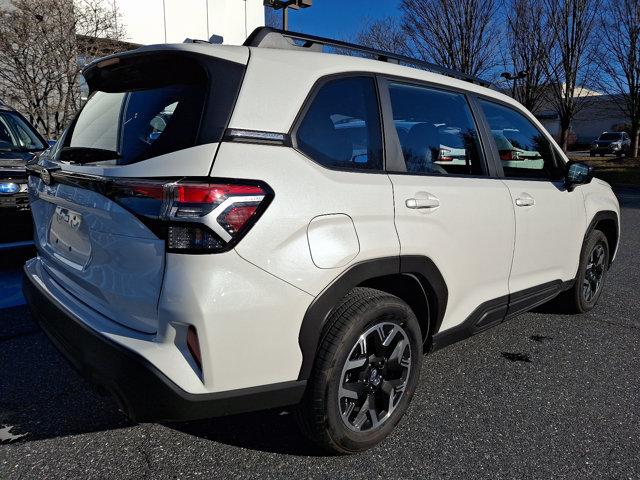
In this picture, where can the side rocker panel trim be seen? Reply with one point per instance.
(495, 311)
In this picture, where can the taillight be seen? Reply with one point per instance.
(194, 217)
(444, 155)
(508, 155)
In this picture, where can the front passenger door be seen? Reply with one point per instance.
(447, 207)
(549, 218)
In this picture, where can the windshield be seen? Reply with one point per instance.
(609, 136)
(16, 135)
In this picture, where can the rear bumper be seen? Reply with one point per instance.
(143, 392)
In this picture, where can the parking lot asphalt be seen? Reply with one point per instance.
(542, 396)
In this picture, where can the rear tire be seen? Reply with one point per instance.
(359, 389)
(592, 273)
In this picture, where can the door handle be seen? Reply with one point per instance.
(525, 200)
(429, 202)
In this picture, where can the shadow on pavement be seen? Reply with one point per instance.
(42, 396)
(269, 431)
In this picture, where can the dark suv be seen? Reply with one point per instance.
(19, 142)
(617, 143)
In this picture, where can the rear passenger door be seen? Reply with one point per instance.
(549, 218)
(447, 205)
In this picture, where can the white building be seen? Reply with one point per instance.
(171, 21)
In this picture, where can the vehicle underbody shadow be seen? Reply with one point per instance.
(41, 395)
(273, 431)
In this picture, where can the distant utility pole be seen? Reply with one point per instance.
(284, 5)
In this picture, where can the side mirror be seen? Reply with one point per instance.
(577, 173)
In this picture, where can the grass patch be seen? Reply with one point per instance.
(616, 171)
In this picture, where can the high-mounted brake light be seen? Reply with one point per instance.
(199, 217)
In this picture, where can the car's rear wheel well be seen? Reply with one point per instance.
(414, 291)
(610, 229)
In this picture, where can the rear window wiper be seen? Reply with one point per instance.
(83, 155)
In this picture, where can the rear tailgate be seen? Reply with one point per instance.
(157, 113)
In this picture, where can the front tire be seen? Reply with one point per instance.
(592, 273)
(365, 372)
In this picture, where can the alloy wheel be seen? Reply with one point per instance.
(594, 273)
(374, 377)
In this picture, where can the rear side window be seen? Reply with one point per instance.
(151, 107)
(436, 130)
(341, 127)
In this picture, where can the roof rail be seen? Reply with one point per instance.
(268, 37)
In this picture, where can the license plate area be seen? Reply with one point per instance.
(69, 238)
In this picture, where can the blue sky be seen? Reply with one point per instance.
(339, 18)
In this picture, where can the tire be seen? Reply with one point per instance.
(320, 414)
(575, 299)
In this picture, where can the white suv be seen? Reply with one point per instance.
(224, 229)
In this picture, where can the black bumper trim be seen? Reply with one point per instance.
(143, 392)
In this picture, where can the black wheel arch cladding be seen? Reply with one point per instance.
(372, 273)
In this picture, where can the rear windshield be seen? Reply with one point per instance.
(150, 108)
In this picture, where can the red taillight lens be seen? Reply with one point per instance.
(236, 217)
(444, 155)
(200, 217)
(506, 155)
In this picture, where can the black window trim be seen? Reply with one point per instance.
(29, 126)
(393, 141)
(306, 104)
(494, 150)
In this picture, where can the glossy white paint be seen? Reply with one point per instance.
(469, 236)
(550, 226)
(304, 190)
(247, 319)
(333, 241)
(99, 252)
(598, 197)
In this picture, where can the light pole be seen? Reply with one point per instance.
(164, 16)
(514, 77)
(284, 5)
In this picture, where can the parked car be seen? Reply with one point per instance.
(616, 143)
(513, 156)
(277, 242)
(19, 142)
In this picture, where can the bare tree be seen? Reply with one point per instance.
(459, 34)
(619, 61)
(528, 49)
(384, 34)
(43, 46)
(571, 66)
